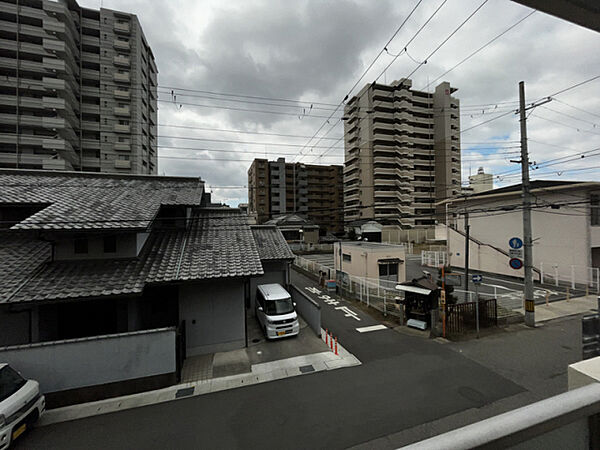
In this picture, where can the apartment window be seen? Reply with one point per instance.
(105, 36)
(105, 138)
(595, 216)
(110, 244)
(124, 157)
(80, 246)
(346, 257)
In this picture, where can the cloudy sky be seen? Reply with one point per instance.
(244, 74)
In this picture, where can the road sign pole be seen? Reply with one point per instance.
(528, 287)
(477, 308)
(467, 245)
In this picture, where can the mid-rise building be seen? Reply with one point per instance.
(277, 188)
(481, 181)
(78, 89)
(402, 153)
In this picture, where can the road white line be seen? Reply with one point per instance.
(371, 328)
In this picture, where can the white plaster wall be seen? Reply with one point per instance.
(560, 236)
(364, 260)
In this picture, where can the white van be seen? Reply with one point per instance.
(21, 404)
(275, 311)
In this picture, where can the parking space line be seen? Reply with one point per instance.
(371, 328)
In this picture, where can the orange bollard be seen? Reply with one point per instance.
(331, 342)
(326, 336)
(336, 347)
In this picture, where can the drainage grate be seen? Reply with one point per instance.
(306, 369)
(184, 392)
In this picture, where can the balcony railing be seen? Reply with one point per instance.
(121, 61)
(122, 28)
(119, 128)
(121, 93)
(121, 164)
(122, 111)
(121, 77)
(121, 45)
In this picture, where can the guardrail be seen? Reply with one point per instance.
(564, 416)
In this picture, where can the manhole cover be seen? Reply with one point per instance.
(184, 392)
(255, 340)
(306, 369)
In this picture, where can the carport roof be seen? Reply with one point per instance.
(271, 243)
(218, 244)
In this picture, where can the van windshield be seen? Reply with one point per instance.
(276, 307)
(10, 382)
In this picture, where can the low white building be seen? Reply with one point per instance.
(371, 260)
(565, 225)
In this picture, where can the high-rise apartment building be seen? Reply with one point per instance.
(276, 188)
(402, 153)
(481, 181)
(77, 89)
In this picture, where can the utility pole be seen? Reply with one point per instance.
(467, 242)
(527, 234)
(527, 239)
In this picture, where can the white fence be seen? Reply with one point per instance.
(577, 277)
(433, 258)
(379, 294)
(383, 295)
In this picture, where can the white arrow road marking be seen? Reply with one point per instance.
(371, 328)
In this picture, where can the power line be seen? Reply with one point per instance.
(439, 46)
(576, 107)
(365, 72)
(480, 48)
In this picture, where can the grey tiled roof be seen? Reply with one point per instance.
(89, 201)
(271, 243)
(20, 259)
(218, 244)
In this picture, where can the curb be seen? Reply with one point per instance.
(260, 373)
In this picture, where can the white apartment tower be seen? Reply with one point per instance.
(402, 154)
(78, 89)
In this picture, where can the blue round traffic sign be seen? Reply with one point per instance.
(515, 263)
(515, 243)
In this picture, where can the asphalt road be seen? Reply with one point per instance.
(404, 381)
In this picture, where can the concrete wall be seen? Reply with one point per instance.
(275, 272)
(215, 315)
(307, 308)
(365, 259)
(77, 363)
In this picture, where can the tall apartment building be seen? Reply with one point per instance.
(402, 153)
(481, 181)
(276, 188)
(78, 89)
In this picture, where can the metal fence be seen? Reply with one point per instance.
(379, 294)
(462, 317)
(582, 278)
(433, 258)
